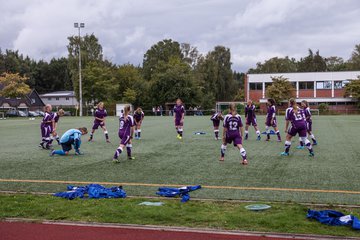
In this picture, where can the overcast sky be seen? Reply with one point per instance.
(254, 30)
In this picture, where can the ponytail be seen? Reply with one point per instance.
(126, 111)
(232, 109)
(294, 105)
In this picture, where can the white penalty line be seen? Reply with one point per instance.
(177, 185)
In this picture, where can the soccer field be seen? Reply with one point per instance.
(332, 176)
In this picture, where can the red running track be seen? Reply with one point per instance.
(39, 231)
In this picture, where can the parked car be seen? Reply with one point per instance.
(15, 113)
(67, 113)
(41, 113)
(33, 114)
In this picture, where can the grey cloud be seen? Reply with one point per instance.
(254, 30)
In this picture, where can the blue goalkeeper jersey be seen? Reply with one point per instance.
(71, 136)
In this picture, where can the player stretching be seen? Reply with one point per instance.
(126, 131)
(45, 127)
(70, 138)
(306, 108)
(55, 119)
(271, 120)
(233, 131)
(179, 111)
(138, 118)
(296, 117)
(100, 116)
(251, 119)
(216, 118)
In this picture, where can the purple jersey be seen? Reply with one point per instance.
(307, 114)
(215, 118)
(232, 124)
(271, 114)
(139, 116)
(250, 112)
(125, 125)
(99, 113)
(179, 111)
(297, 119)
(46, 121)
(55, 117)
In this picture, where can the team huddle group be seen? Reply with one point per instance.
(298, 121)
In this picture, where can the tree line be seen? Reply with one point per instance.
(169, 70)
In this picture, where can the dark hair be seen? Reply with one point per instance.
(83, 129)
(305, 102)
(271, 101)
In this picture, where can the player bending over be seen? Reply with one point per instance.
(216, 118)
(296, 117)
(55, 119)
(271, 120)
(100, 116)
(126, 131)
(179, 111)
(70, 138)
(306, 109)
(138, 118)
(46, 128)
(251, 119)
(233, 131)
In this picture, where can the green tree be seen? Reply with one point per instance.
(91, 51)
(98, 83)
(172, 80)
(354, 61)
(280, 89)
(13, 85)
(334, 64)
(160, 53)
(352, 89)
(190, 54)
(312, 63)
(276, 65)
(129, 96)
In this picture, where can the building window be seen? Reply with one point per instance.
(340, 84)
(57, 99)
(67, 98)
(306, 85)
(49, 98)
(255, 86)
(323, 85)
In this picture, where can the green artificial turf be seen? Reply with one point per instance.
(282, 218)
(162, 159)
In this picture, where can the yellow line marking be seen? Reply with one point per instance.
(177, 185)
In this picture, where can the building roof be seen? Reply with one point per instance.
(306, 76)
(59, 94)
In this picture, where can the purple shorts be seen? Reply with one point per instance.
(309, 126)
(251, 121)
(124, 138)
(216, 123)
(268, 122)
(45, 131)
(178, 122)
(233, 138)
(97, 124)
(302, 131)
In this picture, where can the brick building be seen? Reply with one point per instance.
(315, 87)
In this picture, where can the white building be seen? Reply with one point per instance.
(60, 99)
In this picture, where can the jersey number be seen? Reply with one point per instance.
(233, 125)
(121, 124)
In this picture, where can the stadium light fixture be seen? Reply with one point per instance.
(79, 26)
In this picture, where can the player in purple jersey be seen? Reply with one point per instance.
(100, 116)
(296, 117)
(216, 118)
(138, 118)
(179, 113)
(126, 131)
(306, 109)
(55, 119)
(45, 127)
(233, 131)
(251, 119)
(271, 120)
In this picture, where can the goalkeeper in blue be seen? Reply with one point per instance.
(70, 138)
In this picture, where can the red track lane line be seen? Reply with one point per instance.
(38, 231)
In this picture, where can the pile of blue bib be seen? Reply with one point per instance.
(334, 218)
(182, 192)
(91, 191)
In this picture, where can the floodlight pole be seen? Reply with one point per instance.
(79, 26)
